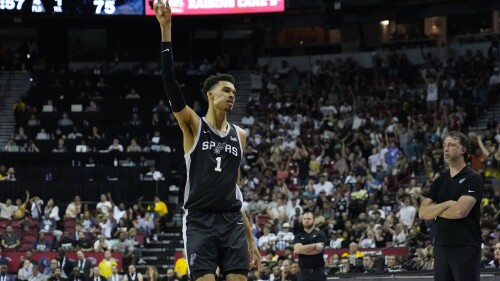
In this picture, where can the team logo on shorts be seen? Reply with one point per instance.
(192, 259)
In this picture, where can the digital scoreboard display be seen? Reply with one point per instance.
(138, 7)
(73, 7)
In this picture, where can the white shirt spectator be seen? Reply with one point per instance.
(118, 214)
(407, 215)
(248, 120)
(327, 186)
(7, 211)
(104, 206)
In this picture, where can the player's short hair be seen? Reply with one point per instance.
(311, 213)
(212, 80)
(463, 140)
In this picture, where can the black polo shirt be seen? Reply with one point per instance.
(311, 261)
(458, 232)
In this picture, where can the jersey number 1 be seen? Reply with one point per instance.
(218, 169)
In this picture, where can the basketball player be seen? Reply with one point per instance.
(216, 231)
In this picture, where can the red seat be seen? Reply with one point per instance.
(15, 223)
(140, 238)
(4, 222)
(262, 219)
(34, 223)
(29, 237)
(49, 237)
(26, 246)
(69, 223)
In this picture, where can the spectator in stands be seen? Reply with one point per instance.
(7, 209)
(101, 244)
(132, 274)
(495, 262)
(368, 239)
(393, 264)
(57, 276)
(286, 274)
(3, 274)
(161, 107)
(126, 247)
(65, 121)
(42, 245)
(83, 243)
(105, 266)
(33, 121)
(20, 135)
(10, 240)
(11, 146)
(43, 135)
(75, 134)
(146, 225)
(399, 233)
(369, 265)
(66, 243)
(50, 270)
(407, 213)
(181, 266)
(84, 266)
(151, 274)
(4, 260)
(115, 146)
(92, 107)
(96, 275)
(135, 121)
(114, 274)
(353, 253)
(74, 208)
(49, 225)
(61, 147)
(134, 147)
(76, 275)
(132, 95)
(285, 237)
(52, 209)
(28, 256)
(104, 205)
(36, 275)
(171, 275)
(345, 266)
(95, 134)
(29, 146)
(26, 271)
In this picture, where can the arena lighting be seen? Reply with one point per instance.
(385, 22)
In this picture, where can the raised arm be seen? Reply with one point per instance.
(187, 118)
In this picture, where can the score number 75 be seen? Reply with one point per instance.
(108, 5)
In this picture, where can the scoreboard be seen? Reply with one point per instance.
(137, 7)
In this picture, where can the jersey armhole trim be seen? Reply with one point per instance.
(195, 143)
(239, 139)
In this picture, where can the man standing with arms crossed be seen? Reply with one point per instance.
(453, 200)
(310, 244)
(216, 231)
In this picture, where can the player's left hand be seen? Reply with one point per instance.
(255, 258)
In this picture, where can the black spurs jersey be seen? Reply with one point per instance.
(212, 170)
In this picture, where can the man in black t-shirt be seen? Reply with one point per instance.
(309, 245)
(453, 200)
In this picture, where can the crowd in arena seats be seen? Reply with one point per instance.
(358, 147)
(35, 225)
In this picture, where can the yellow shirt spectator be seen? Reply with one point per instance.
(181, 267)
(160, 207)
(105, 267)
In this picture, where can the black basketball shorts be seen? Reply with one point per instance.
(214, 240)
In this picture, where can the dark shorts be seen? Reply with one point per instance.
(214, 240)
(457, 263)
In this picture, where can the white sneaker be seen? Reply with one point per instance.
(148, 240)
(141, 261)
(155, 238)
